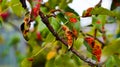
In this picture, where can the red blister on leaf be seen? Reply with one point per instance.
(87, 13)
(98, 22)
(4, 15)
(89, 40)
(30, 59)
(96, 47)
(73, 20)
(39, 36)
(97, 51)
(75, 33)
(36, 9)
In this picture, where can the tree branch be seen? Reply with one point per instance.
(46, 22)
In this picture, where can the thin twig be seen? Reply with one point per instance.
(99, 3)
(46, 22)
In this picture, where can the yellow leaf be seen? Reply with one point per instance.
(51, 54)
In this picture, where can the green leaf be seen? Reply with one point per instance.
(78, 42)
(88, 47)
(39, 55)
(4, 4)
(64, 61)
(50, 38)
(109, 62)
(117, 59)
(50, 63)
(1, 22)
(63, 4)
(42, 28)
(113, 61)
(54, 23)
(76, 59)
(61, 17)
(102, 18)
(26, 63)
(52, 3)
(16, 7)
(112, 47)
(14, 40)
(104, 11)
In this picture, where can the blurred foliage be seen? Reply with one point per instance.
(42, 48)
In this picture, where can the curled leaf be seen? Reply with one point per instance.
(87, 13)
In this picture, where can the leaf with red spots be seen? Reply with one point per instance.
(4, 15)
(38, 36)
(30, 59)
(73, 20)
(97, 51)
(90, 41)
(95, 47)
(36, 9)
(68, 35)
(87, 13)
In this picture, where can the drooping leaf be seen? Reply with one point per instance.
(112, 47)
(104, 11)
